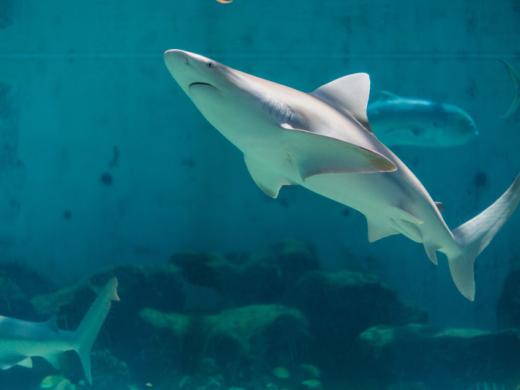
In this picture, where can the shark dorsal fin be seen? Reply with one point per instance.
(349, 93)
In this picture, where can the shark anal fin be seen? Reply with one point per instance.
(377, 231)
(267, 181)
(316, 154)
(349, 93)
(27, 362)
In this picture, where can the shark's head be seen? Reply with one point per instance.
(453, 122)
(226, 97)
(219, 92)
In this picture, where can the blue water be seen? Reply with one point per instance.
(105, 162)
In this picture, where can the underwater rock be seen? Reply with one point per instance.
(238, 337)
(17, 285)
(458, 357)
(341, 305)
(262, 277)
(508, 307)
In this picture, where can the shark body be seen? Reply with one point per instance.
(400, 120)
(20, 340)
(321, 141)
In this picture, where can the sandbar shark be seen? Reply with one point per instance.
(322, 141)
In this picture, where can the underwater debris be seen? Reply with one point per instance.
(115, 157)
(67, 214)
(188, 162)
(480, 180)
(281, 373)
(106, 179)
(57, 382)
(312, 384)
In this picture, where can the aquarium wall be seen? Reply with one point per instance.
(105, 161)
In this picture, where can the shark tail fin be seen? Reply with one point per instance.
(91, 324)
(475, 235)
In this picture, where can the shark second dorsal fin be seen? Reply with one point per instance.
(315, 154)
(349, 93)
(267, 181)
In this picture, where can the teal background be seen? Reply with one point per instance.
(80, 79)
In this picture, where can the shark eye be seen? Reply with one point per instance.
(210, 64)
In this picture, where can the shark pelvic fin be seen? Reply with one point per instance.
(431, 252)
(265, 179)
(27, 362)
(349, 93)
(316, 154)
(377, 232)
(515, 78)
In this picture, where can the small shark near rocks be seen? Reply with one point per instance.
(321, 141)
(20, 341)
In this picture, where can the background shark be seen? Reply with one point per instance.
(321, 141)
(398, 120)
(20, 341)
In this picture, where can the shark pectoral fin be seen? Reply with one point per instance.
(377, 231)
(25, 363)
(317, 154)
(265, 179)
(431, 252)
(349, 93)
(54, 360)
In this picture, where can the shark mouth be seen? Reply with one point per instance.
(200, 84)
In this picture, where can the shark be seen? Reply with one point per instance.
(322, 141)
(398, 120)
(21, 340)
